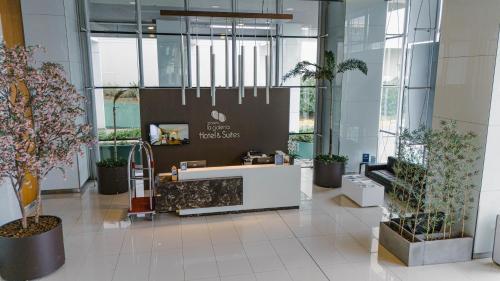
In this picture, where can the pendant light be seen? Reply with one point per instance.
(183, 83)
(212, 65)
(227, 57)
(268, 62)
(198, 90)
(255, 61)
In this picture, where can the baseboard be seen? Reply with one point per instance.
(82, 189)
(482, 255)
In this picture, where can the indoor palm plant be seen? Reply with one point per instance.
(41, 129)
(432, 196)
(328, 168)
(112, 173)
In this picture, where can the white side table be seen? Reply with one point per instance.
(362, 190)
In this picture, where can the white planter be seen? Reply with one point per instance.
(362, 190)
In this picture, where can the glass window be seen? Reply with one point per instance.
(115, 62)
(295, 50)
(392, 61)
(266, 6)
(302, 107)
(305, 18)
(262, 50)
(150, 9)
(127, 120)
(210, 5)
(112, 15)
(219, 47)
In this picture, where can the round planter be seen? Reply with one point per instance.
(112, 180)
(328, 175)
(32, 257)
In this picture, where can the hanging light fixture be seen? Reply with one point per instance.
(198, 90)
(241, 90)
(255, 61)
(183, 82)
(268, 63)
(212, 65)
(227, 57)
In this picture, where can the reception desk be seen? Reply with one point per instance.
(230, 189)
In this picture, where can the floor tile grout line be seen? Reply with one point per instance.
(303, 247)
(213, 249)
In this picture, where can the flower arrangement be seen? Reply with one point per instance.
(41, 121)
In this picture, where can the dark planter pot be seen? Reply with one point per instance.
(112, 180)
(32, 257)
(328, 175)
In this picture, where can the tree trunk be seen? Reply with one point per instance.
(330, 140)
(39, 202)
(114, 132)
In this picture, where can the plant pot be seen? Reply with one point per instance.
(328, 174)
(423, 252)
(112, 180)
(291, 161)
(32, 257)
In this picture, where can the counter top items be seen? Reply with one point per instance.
(183, 166)
(254, 157)
(362, 190)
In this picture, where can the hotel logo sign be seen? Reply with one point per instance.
(218, 129)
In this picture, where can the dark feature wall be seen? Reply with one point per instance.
(260, 126)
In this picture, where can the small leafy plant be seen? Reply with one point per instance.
(112, 163)
(330, 159)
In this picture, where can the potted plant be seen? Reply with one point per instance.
(329, 168)
(292, 152)
(432, 196)
(112, 173)
(40, 130)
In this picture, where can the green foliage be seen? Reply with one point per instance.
(326, 72)
(123, 134)
(302, 138)
(329, 159)
(435, 176)
(112, 163)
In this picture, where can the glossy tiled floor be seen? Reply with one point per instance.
(329, 238)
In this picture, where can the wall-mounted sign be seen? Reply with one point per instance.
(218, 129)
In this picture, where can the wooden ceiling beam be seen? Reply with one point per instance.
(226, 15)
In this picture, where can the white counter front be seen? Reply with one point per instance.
(264, 186)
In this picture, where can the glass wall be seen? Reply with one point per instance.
(124, 59)
(411, 50)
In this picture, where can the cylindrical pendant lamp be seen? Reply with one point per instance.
(198, 91)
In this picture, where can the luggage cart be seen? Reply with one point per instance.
(141, 204)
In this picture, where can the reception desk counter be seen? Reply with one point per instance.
(230, 189)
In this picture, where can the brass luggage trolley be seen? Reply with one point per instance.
(141, 204)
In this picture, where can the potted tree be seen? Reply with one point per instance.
(328, 168)
(112, 173)
(432, 196)
(40, 130)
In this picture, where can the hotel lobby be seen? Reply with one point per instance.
(238, 140)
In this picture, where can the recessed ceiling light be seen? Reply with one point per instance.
(151, 27)
(289, 9)
(215, 6)
(241, 24)
(305, 28)
(131, 3)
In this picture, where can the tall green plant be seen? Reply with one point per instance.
(434, 178)
(326, 72)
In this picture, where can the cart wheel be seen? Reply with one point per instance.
(149, 217)
(132, 218)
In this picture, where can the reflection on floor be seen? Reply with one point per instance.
(329, 238)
